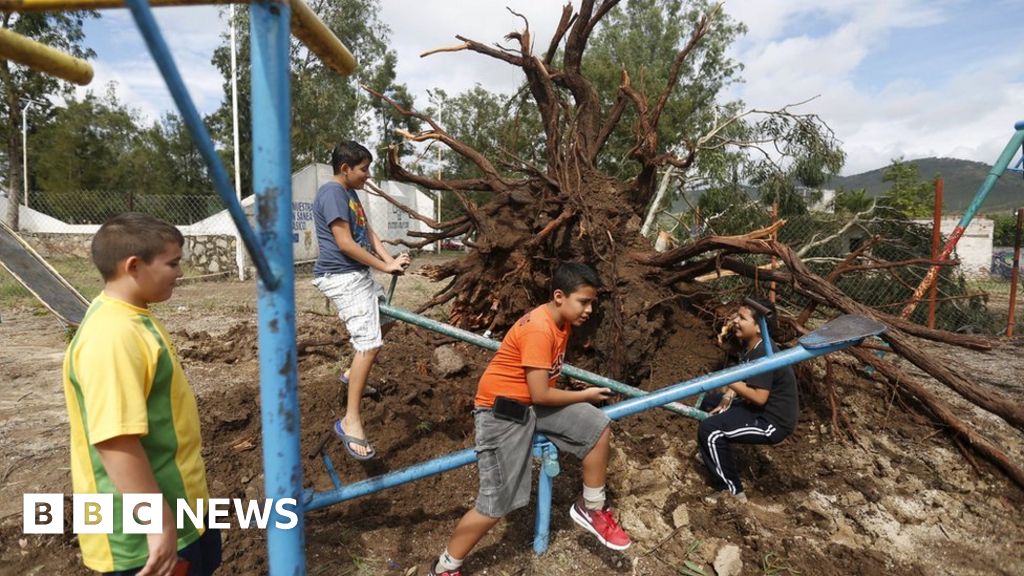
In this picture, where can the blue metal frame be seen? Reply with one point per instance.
(766, 336)
(567, 369)
(271, 251)
(1009, 151)
(542, 448)
(271, 148)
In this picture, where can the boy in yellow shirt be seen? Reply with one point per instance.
(134, 419)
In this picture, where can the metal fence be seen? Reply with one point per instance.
(895, 256)
(45, 211)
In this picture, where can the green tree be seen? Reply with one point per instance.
(851, 201)
(1005, 228)
(19, 85)
(175, 163)
(96, 158)
(325, 106)
(642, 38)
(85, 146)
(907, 194)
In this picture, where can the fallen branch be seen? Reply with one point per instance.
(943, 412)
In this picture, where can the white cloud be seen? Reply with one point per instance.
(418, 26)
(795, 49)
(191, 33)
(967, 114)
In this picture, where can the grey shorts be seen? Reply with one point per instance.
(357, 296)
(503, 450)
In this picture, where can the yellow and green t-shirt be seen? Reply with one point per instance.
(122, 377)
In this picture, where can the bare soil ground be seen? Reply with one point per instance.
(891, 494)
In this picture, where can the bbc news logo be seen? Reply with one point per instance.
(143, 513)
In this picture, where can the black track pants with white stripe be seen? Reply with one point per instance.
(737, 424)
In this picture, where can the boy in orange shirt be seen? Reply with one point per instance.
(517, 397)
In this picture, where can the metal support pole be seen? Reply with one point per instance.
(548, 454)
(570, 371)
(936, 245)
(271, 145)
(239, 250)
(1015, 276)
(766, 336)
(714, 380)
(24, 151)
(306, 25)
(390, 480)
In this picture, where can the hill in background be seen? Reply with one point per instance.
(961, 181)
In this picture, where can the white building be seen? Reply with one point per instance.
(974, 248)
(386, 219)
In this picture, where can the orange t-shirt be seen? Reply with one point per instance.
(535, 341)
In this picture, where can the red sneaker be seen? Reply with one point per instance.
(602, 524)
(434, 572)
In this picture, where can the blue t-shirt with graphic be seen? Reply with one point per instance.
(334, 202)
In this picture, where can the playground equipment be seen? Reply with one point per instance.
(17, 48)
(1001, 165)
(39, 278)
(270, 247)
(305, 24)
(840, 333)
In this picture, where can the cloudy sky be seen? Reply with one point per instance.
(909, 78)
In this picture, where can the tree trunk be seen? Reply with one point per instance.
(569, 210)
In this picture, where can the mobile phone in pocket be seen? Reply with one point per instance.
(508, 409)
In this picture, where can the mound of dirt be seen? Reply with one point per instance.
(818, 506)
(885, 494)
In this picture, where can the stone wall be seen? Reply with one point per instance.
(202, 254)
(59, 245)
(211, 254)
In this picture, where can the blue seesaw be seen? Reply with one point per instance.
(838, 334)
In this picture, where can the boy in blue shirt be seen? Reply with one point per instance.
(349, 248)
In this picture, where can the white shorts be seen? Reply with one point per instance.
(356, 296)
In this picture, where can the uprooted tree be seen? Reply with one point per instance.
(569, 207)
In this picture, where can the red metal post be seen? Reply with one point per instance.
(775, 236)
(1015, 276)
(936, 246)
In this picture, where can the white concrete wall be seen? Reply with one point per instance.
(305, 183)
(389, 222)
(975, 247)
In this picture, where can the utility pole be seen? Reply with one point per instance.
(239, 249)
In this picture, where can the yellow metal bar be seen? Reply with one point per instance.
(37, 56)
(59, 5)
(311, 30)
(306, 25)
